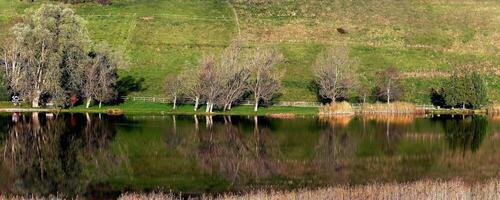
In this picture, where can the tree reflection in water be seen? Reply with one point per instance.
(222, 149)
(43, 154)
(465, 132)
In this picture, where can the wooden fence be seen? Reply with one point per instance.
(245, 102)
(249, 102)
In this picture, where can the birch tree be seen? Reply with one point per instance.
(99, 78)
(210, 78)
(233, 76)
(173, 87)
(48, 46)
(109, 63)
(335, 73)
(264, 79)
(192, 86)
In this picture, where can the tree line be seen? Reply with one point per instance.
(223, 81)
(337, 77)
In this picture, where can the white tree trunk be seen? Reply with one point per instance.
(389, 92)
(208, 107)
(88, 102)
(175, 102)
(197, 99)
(255, 109)
(35, 103)
(100, 104)
(230, 106)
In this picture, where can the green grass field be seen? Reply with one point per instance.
(424, 39)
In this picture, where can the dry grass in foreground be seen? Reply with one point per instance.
(417, 190)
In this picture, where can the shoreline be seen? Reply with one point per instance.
(272, 111)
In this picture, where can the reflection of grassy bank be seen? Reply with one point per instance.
(160, 108)
(416, 190)
(136, 107)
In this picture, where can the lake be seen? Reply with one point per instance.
(100, 156)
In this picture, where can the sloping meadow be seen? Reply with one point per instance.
(423, 39)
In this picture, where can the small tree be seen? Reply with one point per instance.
(107, 75)
(192, 86)
(335, 73)
(233, 76)
(363, 88)
(465, 89)
(264, 79)
(210, 77)
(388, 87)
(173, 86)
(99, 78)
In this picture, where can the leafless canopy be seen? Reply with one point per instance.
(388, 86)
(335, 73)
(265, 80)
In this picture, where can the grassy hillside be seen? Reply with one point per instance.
(422, 38)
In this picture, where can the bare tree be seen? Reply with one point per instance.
(363, 87)
(388, 86)
(108, 75)
(335, 73)
(233, 76)
(90, 78)
(99, 77)
(173, 87)
(210, 78)
(191, 84)
(264, 80)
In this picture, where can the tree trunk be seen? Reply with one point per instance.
(364, 98)
(388, 96)
(208, 107)
(196, 101)
(389, 92)
(211, 107)
(88, 102)
(175, 102)
(255, 109)
(35, 103)
(230, 106)
(463, 106)
(100, 104)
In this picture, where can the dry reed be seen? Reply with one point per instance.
(341, 108)
(426, 189)
(493, 109)
(454, 189)
(392, 108)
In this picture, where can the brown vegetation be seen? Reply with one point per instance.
(455, 189)
(392, 108)
(342, 108)
(493, 109)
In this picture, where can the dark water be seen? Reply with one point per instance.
(102, 156)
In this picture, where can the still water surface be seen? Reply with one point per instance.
(102, 156)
